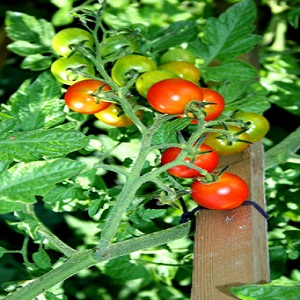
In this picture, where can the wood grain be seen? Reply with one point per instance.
(231, 246)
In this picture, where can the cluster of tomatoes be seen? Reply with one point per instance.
(169, 86)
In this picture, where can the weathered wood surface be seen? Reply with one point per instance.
(231, 246)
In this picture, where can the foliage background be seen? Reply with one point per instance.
(165, 272)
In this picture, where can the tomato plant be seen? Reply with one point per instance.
(113, 115)
(227, 192)
(128, 66)
(183, 69)
(257, 125)
(205, 158)
(230, 141)
(147, 79)
(178, 54)
(170, 96)
(63, 40)
(68, 70)
(87, 96)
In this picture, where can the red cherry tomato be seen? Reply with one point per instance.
(86, 96)
(170, 96)
(228, 192)
(207, 160)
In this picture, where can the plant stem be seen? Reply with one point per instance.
(88, 258)
(52, 238)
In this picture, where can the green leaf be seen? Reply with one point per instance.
(271, 291)
(23, 27)
(41, 143)
(61, 199)
(24, 48)
(24, 181)
(2, 251)
(245, 95)
(9, 206)
(124, 269)
(229, 35)
(37, 104)
(7, 124)
(293, 17)
(167, 133)
(285, 150)
(176, 33)
(278, 259)
(230, 70)
(41, 259)
(36, 62)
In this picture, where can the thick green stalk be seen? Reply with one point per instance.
(85, 259)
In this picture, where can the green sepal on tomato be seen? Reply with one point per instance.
(87, 96)
(127, 66)
(62, 40)
(68, 70)
(229, 141)
(213, 105)
(170, 96)
(206, 159)
(227, 192)
(257, 125)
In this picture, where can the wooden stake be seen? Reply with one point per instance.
(231, 246)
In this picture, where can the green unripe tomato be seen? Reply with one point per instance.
(116, 44)
(183, 69)
(147, 79)
(126, 66)
(63, 69)
(258, 125)
(178, 54)
(68, 36)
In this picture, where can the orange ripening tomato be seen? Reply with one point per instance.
(86, 96)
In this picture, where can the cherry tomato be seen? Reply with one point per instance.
(170, 96)
(228, 192)
(114, 116)
(126, 66)
(207, 160)
(86, 96)
(183, 69)
(147, 79)
(117, 44)
(68, 36)
(214, 110)
(178, 54)
(63, 69)
(258, 125)
(234, 141)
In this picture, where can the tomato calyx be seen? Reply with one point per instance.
(230, 137)
(196, 110)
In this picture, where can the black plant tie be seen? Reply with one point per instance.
(258, 208)
(188, 215)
